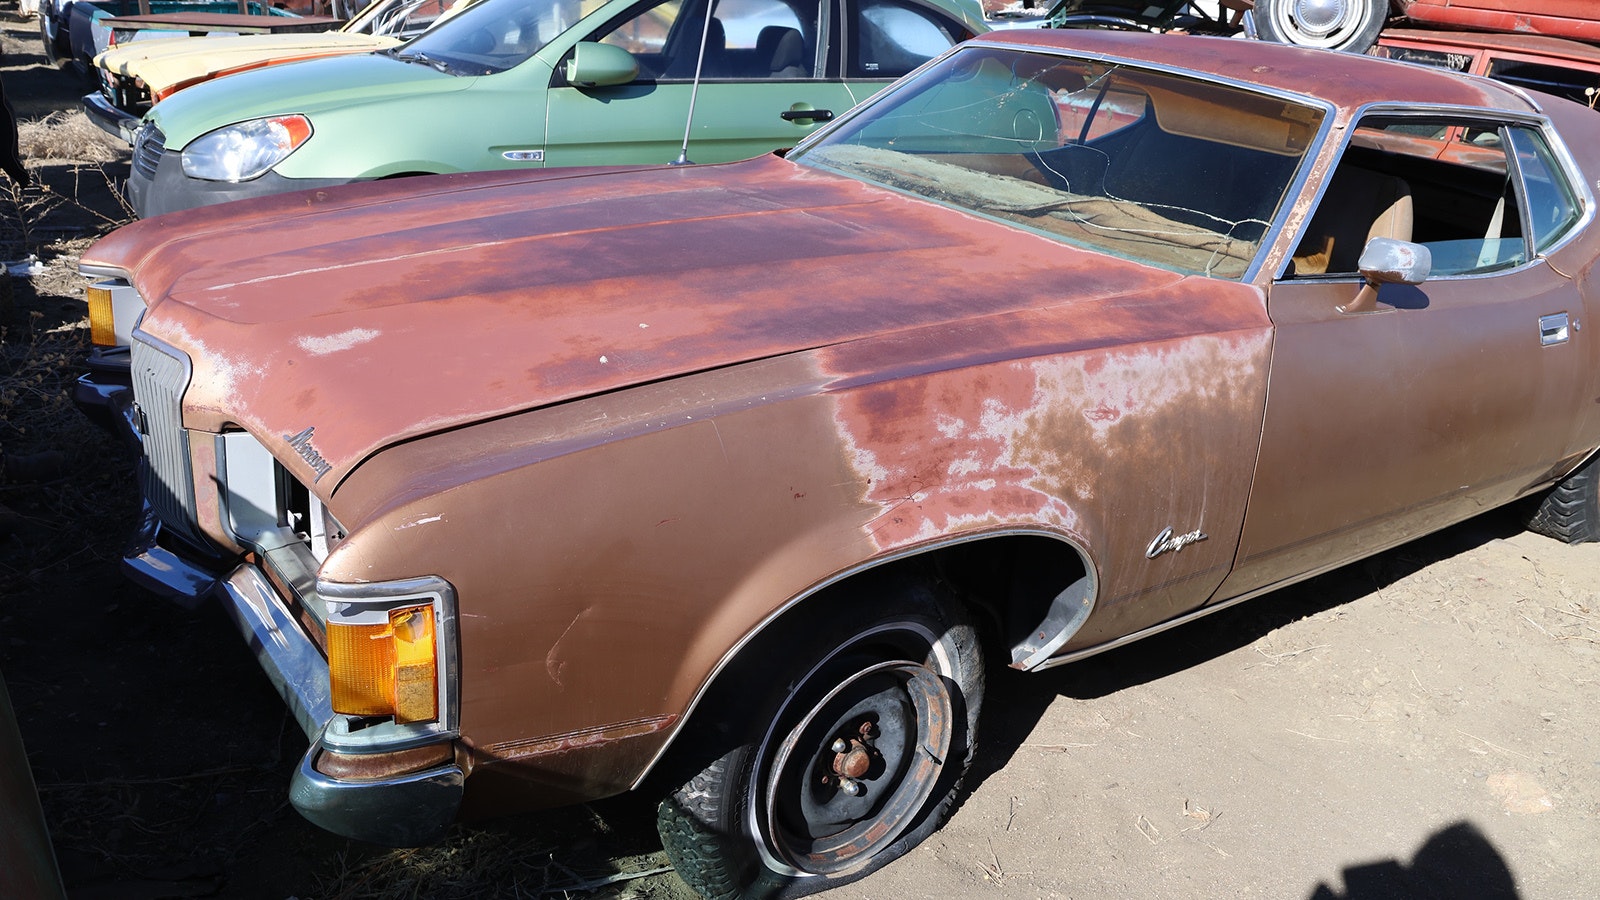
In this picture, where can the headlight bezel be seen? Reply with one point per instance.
(244, 151)
(358, 604)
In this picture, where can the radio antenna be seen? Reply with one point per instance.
(694, 91)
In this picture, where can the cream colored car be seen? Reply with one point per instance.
(137, 75)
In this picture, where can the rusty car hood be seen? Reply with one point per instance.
(464, 298)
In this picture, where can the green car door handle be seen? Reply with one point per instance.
(819, 115)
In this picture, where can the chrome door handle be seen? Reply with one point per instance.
(1553, 329)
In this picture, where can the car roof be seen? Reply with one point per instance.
(1348, 81)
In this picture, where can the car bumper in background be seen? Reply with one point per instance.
(112, 121)
(160, 186)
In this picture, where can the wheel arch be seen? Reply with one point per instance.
(1029, 590)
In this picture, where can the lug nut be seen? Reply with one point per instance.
(840, 745)
(851, 786)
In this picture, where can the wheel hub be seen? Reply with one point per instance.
(1320, 18)
(852, 774)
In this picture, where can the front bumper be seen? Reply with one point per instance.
(170, 190)
(400, 809)
(113, 121)
(105, 395)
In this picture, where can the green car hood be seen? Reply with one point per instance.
(308, 87)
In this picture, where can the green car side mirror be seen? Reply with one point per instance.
(598, 65)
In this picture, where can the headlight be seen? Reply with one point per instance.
(245, 150)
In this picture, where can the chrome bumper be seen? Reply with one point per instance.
(159, 570)
(402, 810)
(111, 120)
(105, 395)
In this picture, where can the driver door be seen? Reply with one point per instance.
(763, 58)
(1448, 397)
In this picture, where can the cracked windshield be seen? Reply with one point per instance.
(1148, 166)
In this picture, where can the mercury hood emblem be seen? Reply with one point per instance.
(302, 445)
(1166, 540)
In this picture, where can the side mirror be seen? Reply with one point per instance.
(1388, 261)
(600, 65)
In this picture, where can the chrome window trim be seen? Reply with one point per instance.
(1580, 185)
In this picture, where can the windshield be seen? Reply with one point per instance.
(494, 35)
(1170, 171)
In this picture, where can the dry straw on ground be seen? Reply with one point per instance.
(64, 135)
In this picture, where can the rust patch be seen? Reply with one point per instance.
(374, 766)
(939, 456)
(583, 738)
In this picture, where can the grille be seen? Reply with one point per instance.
(160, 375)
(148, 145)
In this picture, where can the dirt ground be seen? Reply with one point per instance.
(1419, 725)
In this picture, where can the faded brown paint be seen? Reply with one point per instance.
(534, 301)
(377, 765)
(552, 625)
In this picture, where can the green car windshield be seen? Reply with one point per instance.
(493, 35)
(1151, 166)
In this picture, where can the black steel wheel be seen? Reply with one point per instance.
(849, 759)
(1350, 25)
(1570, 511)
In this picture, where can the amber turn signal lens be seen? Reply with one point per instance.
(386, 669)
(102, 327)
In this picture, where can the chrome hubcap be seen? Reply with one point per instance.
(1320, 18)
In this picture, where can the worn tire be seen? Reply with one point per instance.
(764, 811)
(1349, 25)
(1570, 511)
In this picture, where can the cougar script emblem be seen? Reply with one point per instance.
(302, 445)
(1166, 540)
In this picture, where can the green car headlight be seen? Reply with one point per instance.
(245, 150)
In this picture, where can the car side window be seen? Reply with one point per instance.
(745, 40)
(645, 34)
(888, 38)
(1577, 85)
(1444, 183)
(1552, 204)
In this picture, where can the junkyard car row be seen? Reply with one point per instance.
(519, 84)
(135, 76)
(728, 481)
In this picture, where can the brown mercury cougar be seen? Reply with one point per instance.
(731, 481)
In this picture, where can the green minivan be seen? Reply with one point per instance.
(516, 84)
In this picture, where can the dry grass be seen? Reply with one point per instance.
(65, 135)
(43, 341)
(496, 862)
